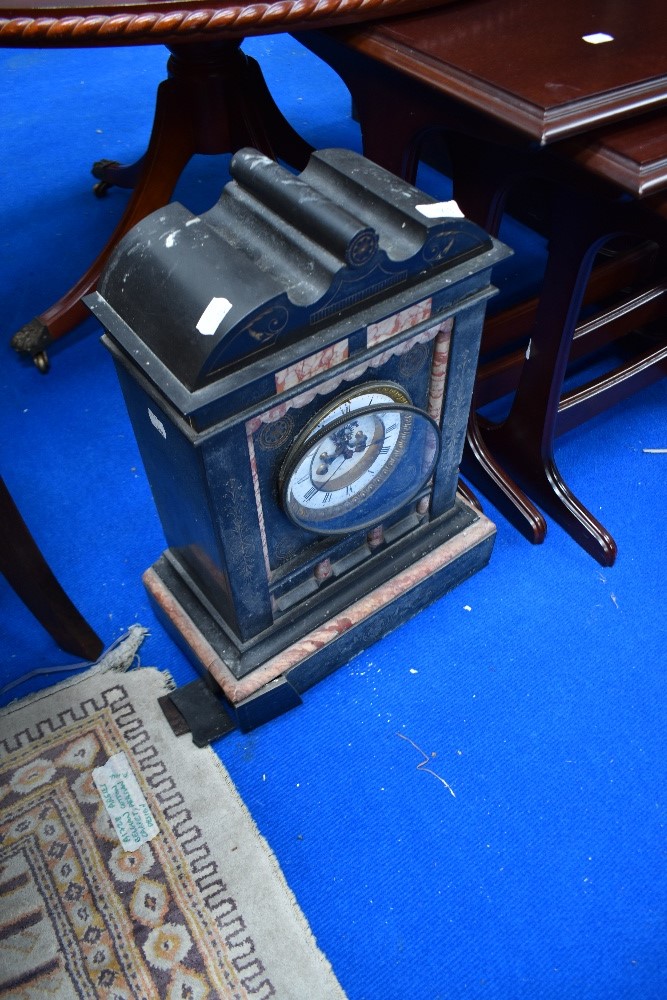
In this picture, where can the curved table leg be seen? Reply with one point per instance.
(481, 468)
(170, 149)
(514, 460)
(482, 194)
(524, 442)
(26, 571)
(215, 100)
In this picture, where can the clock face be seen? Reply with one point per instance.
(361, 458)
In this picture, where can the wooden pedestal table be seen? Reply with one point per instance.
(214, 101)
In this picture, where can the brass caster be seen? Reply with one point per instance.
(41, 362)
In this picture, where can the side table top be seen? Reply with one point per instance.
(68, 23)
(548, 69)
(632, 154)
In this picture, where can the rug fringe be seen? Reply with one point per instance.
(121, 654)
(117, 658)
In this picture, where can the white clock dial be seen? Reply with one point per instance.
(348, 460)
(347, 455)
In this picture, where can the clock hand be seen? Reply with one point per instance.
(332, 472)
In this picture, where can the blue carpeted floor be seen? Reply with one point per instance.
(536, 690)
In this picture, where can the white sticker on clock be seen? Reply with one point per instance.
(213, 315)
(441, 210)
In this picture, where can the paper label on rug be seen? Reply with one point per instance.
(124, 801)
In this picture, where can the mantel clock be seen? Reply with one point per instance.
(298, 365)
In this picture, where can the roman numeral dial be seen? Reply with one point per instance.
(362, 457)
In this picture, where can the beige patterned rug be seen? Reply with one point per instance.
(198, 910)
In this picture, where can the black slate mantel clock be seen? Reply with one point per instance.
(298, 365)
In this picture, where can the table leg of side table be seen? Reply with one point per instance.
(524, 442)
(482, 193)
(27, 572)
(215, 100)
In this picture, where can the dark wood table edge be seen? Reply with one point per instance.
(542, 125)
(120, 25)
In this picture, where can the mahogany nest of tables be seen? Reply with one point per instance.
(522, 92)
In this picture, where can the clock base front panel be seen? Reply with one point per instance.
(276, 684)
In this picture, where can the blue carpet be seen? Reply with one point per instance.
(535, 690)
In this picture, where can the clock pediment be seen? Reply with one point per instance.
(276, 257)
